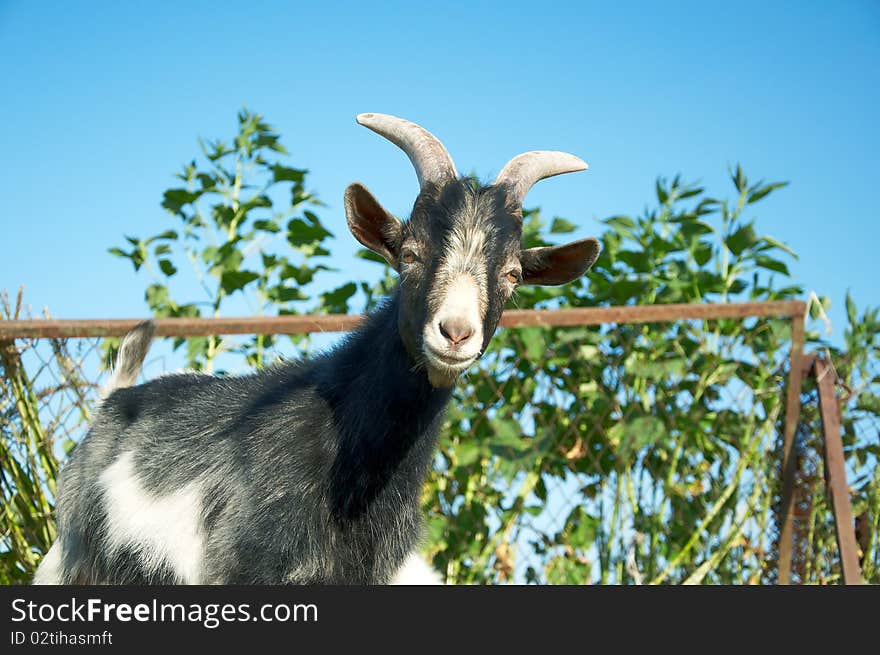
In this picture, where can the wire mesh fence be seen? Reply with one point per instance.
(628, 445)
(619, 453)
(861, 434)
(817, 554)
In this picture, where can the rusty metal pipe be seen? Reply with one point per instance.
(200, 327)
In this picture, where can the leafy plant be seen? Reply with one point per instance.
(245, 227)
(32, 420)
(628, 453)
(858, 375)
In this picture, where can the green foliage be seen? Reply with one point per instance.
(692, 248)
(614, 453)
(857, 364)
(28, 465)
(244, 228)
(628, 453)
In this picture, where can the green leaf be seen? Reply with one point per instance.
(741, 239)
(738, 286)
(223, 216)
(370, 256)
(851, 312)
(693, 227)
(623, 225)
(285, 174)
(225, 258)
(467, 452)
(637, 432)
(773, 243)
(197, 349)
(662, 195)
(703, 253)
(758, 193)
(300, 233)
(336, 301)
(771, 264)
(690, 193)
(282, 294)
(138, 254)
(207, 181)
(580, 528)
(267, 226)
(253, 203)
(167, 267)
(232, 281)
(534, 342)
(562, 226)
(507, 433)
(175, 199)
(638, 261)
(302, 274)
(739, 179)
(706, 206)
(156, 296)
(662, 368)
(825, 303)
(189, 310)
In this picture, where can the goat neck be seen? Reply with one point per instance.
(387, 415)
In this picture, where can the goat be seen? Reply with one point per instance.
(310, 472)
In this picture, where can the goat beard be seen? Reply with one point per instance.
(441, 379)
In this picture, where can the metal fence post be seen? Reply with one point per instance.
(835, 472)
(792, 416)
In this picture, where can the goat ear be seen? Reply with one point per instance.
(371, 224)
(558, 264)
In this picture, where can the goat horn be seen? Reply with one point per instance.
(429, 157)
(524, 170)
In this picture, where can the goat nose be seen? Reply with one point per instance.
(456, 330)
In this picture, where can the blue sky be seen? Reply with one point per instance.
(103, 102)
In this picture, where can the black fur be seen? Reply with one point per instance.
(312, 470)
(308, 472)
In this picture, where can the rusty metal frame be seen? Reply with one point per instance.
(825, 377)
(795, 310)
(835, 470)
(202, 327)
(789, 462)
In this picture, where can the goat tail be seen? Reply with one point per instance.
(132, 352)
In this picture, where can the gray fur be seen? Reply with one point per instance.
(130, 357)
(308, 472)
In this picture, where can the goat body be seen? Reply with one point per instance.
(303, 473)
(310, 472)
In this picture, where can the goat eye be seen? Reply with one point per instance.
(513, 277)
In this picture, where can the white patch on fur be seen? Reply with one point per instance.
(49, 570)
(161, 529)
(459, 291)
(416, 571)
(461, 285)
(461, 301)
(465, 251)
